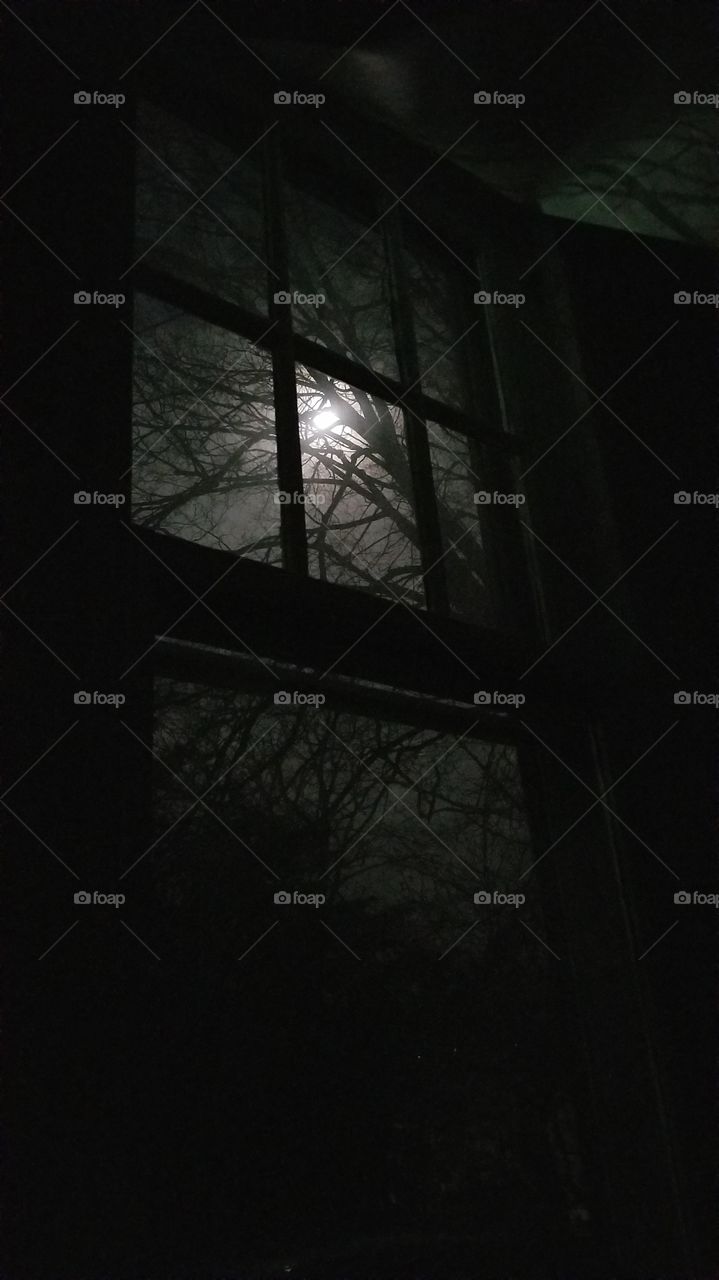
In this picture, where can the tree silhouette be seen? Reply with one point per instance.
(419, 1029)
(205, 459)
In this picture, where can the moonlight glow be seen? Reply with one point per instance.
(322, 421)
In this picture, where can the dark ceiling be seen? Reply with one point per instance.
(599, 137)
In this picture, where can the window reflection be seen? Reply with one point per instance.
(440, 329)
(455, 484)
(337, 256)
(398, 976)
(216, 242)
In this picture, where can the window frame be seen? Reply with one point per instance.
(495, 447)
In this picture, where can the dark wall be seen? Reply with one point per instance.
(629, 328)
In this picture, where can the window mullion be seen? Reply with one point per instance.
(289, 454)
(428, 527)
(500, 528)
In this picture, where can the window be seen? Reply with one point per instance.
(332, 253)
(306, 387)
(199, 210)
(361, 523)
(345, 859)
(311, 406)
(204, 441)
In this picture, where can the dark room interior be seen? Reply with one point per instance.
(359, 796)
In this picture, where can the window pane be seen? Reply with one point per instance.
(455, 484)
(360, 522)
(216, 244)
(334, 255)
(394, 1042)
(204, 440)
(435, 290)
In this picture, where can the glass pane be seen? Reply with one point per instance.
(333, 255)
(204, 439)
(216, 243)
(439, 328)
(455, 484)
(360, 522)
(383, 1042)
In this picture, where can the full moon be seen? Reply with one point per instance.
(323, 420)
